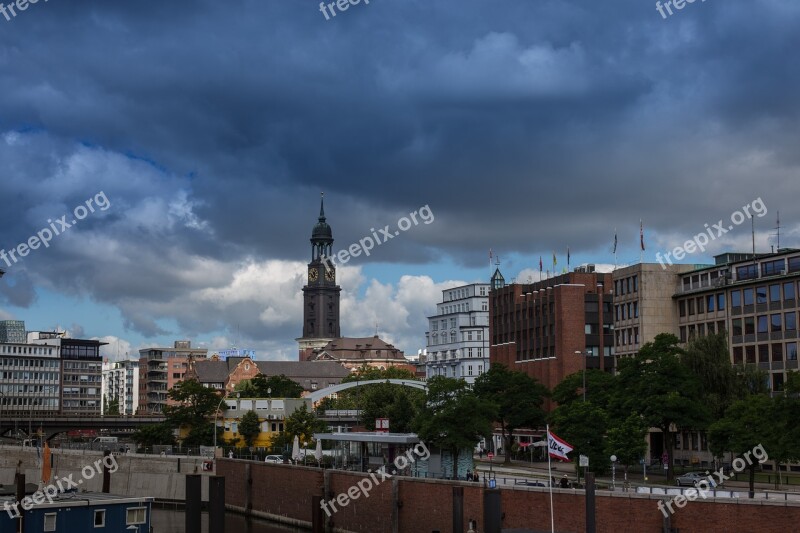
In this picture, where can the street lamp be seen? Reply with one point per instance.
(578, 352)
(613, 472)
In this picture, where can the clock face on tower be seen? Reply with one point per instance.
(330, 274)
(313, 275)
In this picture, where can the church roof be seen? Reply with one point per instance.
(322, 230)
(359, 348)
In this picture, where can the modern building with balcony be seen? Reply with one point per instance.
(161, 369)
(121, 383)
(81, 371)
(458, 334)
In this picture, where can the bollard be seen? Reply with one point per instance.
(458, 509)
(106, 473)
(590, 503)
(20, 497)
(492, 511)
(216, 504)
(194, 504)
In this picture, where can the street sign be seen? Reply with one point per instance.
(666, 466)
(584, 461)
(490, 455)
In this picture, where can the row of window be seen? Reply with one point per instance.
(626, 311)
(25, 350)
(695, 330)
(28, 363)
(765, 353)
(37, 376)
(625, 337)
(453, 354)
(458, 371)
(457, 294)
(626, 285)
(772, 323)
(9, 390)
(701, 304)
(776, 267)
(763, 294)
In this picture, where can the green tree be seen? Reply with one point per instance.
(153, 434)
(660, 389)
(246, 389)
(201, 435)
(196, 404)
(274, 387)
(746, 425)
(397, 403)
(111, 406)
(250, 427)
(599, 388)
(517, 397)
(303, 424)
(583, 425)
(708, 358)
(453, 417)
(627, 441)
(368, 373)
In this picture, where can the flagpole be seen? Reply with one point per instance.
(550, 473)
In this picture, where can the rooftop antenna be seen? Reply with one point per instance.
(778, 230)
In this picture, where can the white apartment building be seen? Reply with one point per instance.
(458, 334)
(121, 382)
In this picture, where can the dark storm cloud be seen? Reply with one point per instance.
(524, 125)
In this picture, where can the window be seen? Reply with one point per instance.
(794, 264)
(788, 290)
(750, 354)
(710, 303)
(791, 351)
(691, 306)
(700, 306)
(737, 355)
(100, 518)
(136, 515)
(747, 296)
(635, 283)
(746, 272)
(749, 325)
(775, 293)
(761, 295)
(762, 323)
(790, 321)
(736, 298)
(775, 322)
(763, 353)
(635, 309)
(49, 522)
(777, 352)
(681, 308)
(720, 302)
(772, 268)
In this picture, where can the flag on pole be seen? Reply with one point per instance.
(554, 262)
(540, 266)
(558, 448)
(567, 257)
(641, 234)
(615, 241)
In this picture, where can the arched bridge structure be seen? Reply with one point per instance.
(333, 389)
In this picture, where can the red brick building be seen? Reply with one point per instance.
(538, 327)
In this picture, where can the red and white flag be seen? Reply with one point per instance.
(557, 447)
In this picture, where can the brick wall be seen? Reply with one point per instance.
(426, 505)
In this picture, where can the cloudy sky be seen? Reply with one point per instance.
(525, 126)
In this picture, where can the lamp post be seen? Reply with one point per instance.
(585, 354)
(613, 472)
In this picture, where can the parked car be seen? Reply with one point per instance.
(273, 459)
(689, 479)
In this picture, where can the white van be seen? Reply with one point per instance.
(106, 440)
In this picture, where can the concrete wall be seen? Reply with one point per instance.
(285, 492)
(163, 478)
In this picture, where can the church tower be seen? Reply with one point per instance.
(321, 293)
